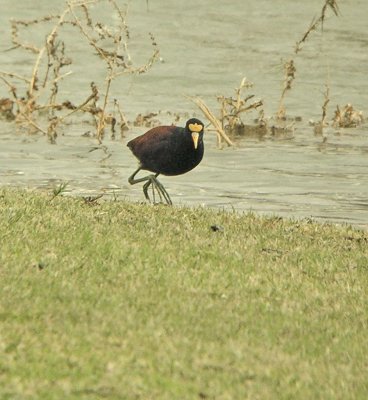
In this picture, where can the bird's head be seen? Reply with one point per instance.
(195, 127)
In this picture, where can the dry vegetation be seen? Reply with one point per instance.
(231, 109)
(317, 22)
(32, 96)
(289, 66)
(289, 70)
(318, 127)
(348, 117)
(228, 122)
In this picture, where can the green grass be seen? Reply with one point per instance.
(129, 301)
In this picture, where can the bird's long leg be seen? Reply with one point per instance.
(151, 180)
(160, 187)
(156, 184)
(133, 181)
(145, 191)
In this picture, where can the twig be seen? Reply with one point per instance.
(80, 107)
(31, 122)
(13, 75)
(290, 70)
(50, 37)
(123, 121)
(319, 21)
(214, 121)
(312, 27)
(325, 103)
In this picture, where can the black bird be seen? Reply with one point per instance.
(167, 150)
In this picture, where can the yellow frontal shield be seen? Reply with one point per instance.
(195, 127)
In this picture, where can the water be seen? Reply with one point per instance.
(206, 48)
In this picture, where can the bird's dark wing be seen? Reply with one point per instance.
(150, 147)
(153, 140)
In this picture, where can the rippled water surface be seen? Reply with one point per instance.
(206, 48)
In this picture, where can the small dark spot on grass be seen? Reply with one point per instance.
(39, 265)
(217, 228)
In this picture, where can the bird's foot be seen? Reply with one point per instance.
(156, 185)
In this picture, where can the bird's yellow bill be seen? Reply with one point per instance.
(195, 136)
(195, 127)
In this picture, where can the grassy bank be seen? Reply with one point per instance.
(129, 301)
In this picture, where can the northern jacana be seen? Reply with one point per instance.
(167, 150)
